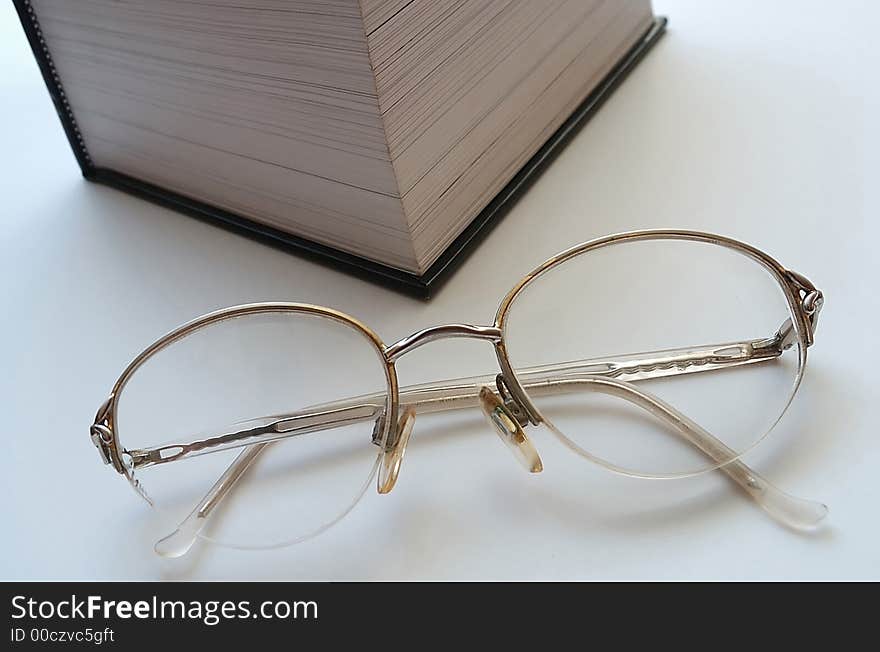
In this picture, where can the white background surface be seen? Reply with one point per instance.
(756, 120)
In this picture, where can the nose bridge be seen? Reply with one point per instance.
(446, 331)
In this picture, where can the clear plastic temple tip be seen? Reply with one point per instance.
(178, 543)
(797, 513)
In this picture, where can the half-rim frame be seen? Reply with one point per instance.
(105, 433)
(802, 298)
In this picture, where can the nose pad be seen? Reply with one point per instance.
(393, 456)
(510, 432)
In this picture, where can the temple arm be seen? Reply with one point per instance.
(785, 508)
(456, 394)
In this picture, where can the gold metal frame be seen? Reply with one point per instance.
(103, 432)
(803, 298)
(509, 405)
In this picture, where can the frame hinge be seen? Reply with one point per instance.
(102, 438)
(811, 300)
(101, 435)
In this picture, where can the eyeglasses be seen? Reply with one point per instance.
(656, 354)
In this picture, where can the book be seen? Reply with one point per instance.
(379, 134)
